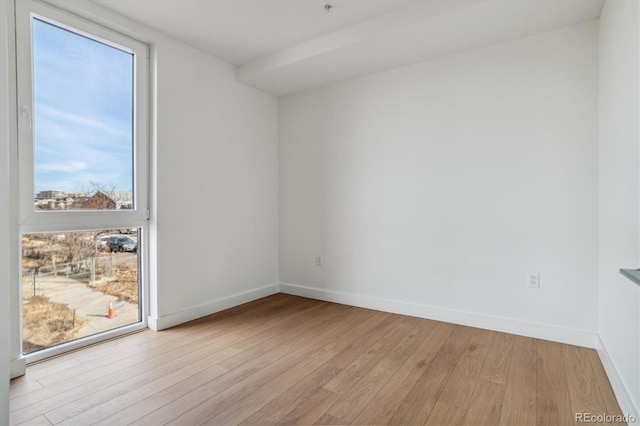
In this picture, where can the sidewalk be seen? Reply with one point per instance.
(88, 303)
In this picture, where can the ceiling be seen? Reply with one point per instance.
(240, 31)
(286, 46)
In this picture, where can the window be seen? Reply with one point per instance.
(83, 115)
(82, 99)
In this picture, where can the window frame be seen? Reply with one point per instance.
(45, 221)
(37, 220)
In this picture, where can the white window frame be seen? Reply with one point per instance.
(40, 221)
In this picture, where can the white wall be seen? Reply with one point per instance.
(214, 223)
(619, 301)
(217, 188)
(441, 185)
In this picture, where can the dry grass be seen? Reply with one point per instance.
(124, 287)
(46, 323)
(35, 252)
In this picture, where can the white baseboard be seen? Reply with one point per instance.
(508, 325)
(18, 367)
(211, 307)
(622, 395)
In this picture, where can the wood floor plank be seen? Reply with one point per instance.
(329, 320)
(118, 349)
(290, 360)
(151, 344)
(86, 408)
(311, 409)
(519, 406)
(421, 399)
(132, 413)
(333, 346)
(603, 384)
(485, 406)
(118, 356)
(204, 412)
(282, 406)
(136, 371)
(57, 364)
(241, 410)
(99, 373)
(384, 405)
(353, 402)
(96, 407)
(552, 392)
(375, 326)
(457, 392)
(364, 342)
(296, 317)
(218, 325)
(341, 343)
(22, 385)
(352, 373)
(228, 389)
(444, 414)
(498, 360)
(37, 421)
(275, 411)
(278, 336)
(584, 394)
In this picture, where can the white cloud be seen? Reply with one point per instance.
(60, 116)
(73, 166)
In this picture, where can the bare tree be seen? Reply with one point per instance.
(59, 249)
(100, 196)
(77, 246)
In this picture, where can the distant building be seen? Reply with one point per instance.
(98, 201)
(74, 195)
(123, 199)
(51, 195)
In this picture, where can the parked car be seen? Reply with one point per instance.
(103, 240)
(122, 244)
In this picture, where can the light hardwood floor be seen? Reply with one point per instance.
(290, 360)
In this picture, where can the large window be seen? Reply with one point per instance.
(83, 121)
(82, 99)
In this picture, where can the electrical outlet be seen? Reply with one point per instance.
(533, 280)
(318, 260)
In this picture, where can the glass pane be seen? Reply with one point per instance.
(83, 122)
(77, 284)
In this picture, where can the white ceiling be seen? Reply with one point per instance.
(239, 31)
(285, 46)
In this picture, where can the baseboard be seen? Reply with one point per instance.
(211, 307)
(18, 367)
(508, 325)
(622, 395)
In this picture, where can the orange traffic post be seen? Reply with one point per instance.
(112, 313)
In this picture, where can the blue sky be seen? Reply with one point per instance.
(83, 112)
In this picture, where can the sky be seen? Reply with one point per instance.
(83, 112)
